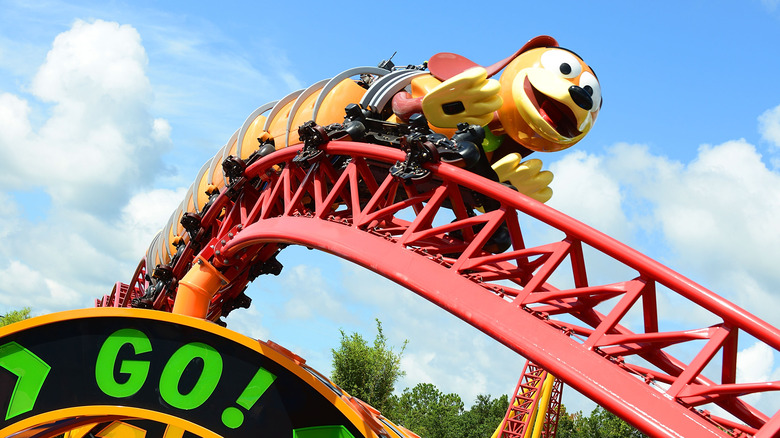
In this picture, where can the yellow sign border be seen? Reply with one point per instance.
(340, 402)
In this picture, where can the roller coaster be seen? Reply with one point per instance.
(417, 174)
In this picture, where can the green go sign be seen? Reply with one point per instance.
(175, 366)
(137, 372)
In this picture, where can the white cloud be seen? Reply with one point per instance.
(9, 216)
(771, 5)
(14, 112)
(727, 198)
(80, 126)
(249, 322)
(713, 218)
(99, 139)
(93, 62)
(755, 363)
(417, 365)
(161, 130)
(722, 220)
(769, 126)
(143, 216)
(588, 193)
(71, 257)
(24, 286)
(309, 298)
(97, 143)
(91, 147)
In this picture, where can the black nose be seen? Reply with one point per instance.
(581, 97)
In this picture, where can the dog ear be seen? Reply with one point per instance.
(536, 42)
(446, 65)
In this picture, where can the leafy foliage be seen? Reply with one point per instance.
(368, 372)
(484, 416)
(14, 316)
(427, 411)
(430, 413)
(600, 424)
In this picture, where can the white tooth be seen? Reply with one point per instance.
(585, 123)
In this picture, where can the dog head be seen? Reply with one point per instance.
(551, 98)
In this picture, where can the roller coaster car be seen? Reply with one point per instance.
(447, 109)
(546, 100)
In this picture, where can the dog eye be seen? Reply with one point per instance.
(561, 63)
(591, 85)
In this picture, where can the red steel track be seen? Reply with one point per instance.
(608, 341)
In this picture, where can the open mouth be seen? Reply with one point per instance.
(558, 115)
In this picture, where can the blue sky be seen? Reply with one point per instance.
(108, 109)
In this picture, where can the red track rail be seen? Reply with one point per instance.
(424, 238)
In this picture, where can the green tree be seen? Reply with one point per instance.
(14, 316)
(428, 412)
(604, 424)
(568, 424)
(484, 416)
(368, 372)
(600, 424)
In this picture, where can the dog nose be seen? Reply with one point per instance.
(581, 97)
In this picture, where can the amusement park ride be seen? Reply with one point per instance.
(425, 165)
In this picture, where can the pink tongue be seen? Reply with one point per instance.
(546, 117)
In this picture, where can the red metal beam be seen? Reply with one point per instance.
(353, 210)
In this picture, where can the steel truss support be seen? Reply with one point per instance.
(607, 339)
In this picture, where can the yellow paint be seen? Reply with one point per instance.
(80, 432)
(104, 413)
(539, 413)
(530, 420)
(173, 432)
(301, 116)
(423, 84)
(499, 429)
(118, 429)
(217, 177)
(543, 405)
(250, 141)
(526, 176)
(332, 108)
(201, 187)
(478, 94)
(277, 127)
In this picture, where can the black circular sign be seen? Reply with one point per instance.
(212, 380)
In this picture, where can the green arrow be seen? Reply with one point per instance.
(30, 370)
(338, 431)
